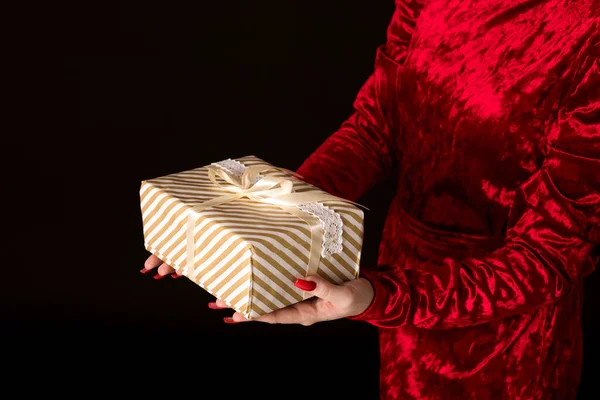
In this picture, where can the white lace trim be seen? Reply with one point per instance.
(330, 220)
(236, 168)
(332, 227)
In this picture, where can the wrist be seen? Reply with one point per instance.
(364, 296)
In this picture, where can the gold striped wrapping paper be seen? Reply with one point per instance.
(247, 253)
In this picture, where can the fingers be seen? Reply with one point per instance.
(303, 313)
(329, 302)
(163, 270)
(323, 289)
(290, 315)
(151, 263)
(235, 319)
(218, 305)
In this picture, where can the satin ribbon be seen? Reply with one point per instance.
(271, 190)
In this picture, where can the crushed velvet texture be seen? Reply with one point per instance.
(487, 115)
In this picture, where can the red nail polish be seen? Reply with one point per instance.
(229, 320)
(305, 285)
(175, 275)
(159, 276)
(144, 271)
(214, 306)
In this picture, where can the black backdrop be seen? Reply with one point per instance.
(143, 89)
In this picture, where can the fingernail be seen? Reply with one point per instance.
(229, 320)
(305, 285)
(144, 270)
(159, 276)
(175, 275)
(214, 306)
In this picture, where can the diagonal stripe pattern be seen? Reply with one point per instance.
(248, 253)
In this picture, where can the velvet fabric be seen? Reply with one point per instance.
(487, 116)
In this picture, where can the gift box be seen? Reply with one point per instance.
(245, 230)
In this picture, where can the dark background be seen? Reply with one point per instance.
(124, 91)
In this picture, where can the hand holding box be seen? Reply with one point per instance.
(245, 230)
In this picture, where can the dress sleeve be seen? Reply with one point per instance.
(362, 152)
(554, 224)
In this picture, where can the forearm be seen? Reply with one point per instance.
(546, 252)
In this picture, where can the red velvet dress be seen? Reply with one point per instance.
(487, 115)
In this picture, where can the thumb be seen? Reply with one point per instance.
(321, 288)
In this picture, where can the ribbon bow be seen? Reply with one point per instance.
(268, 189)
(264, 190)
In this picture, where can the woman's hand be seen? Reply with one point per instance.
(163, 269)
(331, 302)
